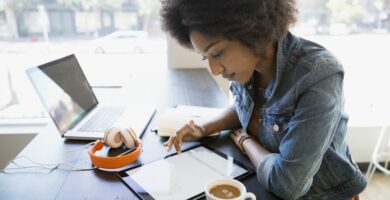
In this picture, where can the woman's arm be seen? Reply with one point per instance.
(250, 146)
(289, 172)
(228, 120)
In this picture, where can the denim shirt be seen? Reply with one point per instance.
(303, 125)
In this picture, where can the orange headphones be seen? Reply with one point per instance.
(115, 137)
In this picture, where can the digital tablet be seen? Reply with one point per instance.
(182, 176)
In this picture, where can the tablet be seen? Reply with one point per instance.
(182, 176)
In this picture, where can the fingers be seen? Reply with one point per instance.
(187, 132)
(177, 146)
(196, 131)
(183, 134)
(169, 143)
(175, 140)
(166, 142)
(195, 127)
(179, 135)
(192, 124)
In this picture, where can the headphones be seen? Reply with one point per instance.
(114, 137)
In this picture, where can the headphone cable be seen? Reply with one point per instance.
(46, 165)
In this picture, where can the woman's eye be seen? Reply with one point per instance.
(218, 54)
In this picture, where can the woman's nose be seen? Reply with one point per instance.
(215, 67)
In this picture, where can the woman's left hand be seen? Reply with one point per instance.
(236, 135)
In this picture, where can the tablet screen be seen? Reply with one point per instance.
(182, 176)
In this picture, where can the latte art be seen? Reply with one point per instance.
(225, 191)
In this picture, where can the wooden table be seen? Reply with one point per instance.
(163, 88)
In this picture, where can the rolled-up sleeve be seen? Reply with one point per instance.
(289, 174)
(265, 168)
(284, 190)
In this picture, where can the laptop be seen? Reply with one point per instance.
(72, 105)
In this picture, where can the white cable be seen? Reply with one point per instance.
(77, 148)
(52, 166)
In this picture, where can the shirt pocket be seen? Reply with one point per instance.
(275, 125)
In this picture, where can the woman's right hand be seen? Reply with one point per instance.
(188, 132)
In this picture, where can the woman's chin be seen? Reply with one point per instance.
(242, 80)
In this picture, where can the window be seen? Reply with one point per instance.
(109, 37)
(358, 33)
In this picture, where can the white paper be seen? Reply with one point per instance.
(175, 118)
(184, 175)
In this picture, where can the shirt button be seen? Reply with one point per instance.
(276, 127)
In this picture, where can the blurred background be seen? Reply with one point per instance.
(109, 37)
(112, 38)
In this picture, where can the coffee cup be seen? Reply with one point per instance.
(222, 189)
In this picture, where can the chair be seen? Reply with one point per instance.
(381, 153)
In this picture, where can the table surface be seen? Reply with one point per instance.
(164, 88)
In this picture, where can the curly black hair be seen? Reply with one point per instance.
(253, 22)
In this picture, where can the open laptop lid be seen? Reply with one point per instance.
(64, 91)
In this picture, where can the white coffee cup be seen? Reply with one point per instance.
(241, 187)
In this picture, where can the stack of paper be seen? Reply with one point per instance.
(175, 118)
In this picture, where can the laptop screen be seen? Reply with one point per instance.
(63, 90)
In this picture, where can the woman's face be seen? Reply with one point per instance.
(229, 58)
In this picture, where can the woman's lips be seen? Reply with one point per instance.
(228, 76)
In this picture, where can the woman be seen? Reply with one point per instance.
(288, 113)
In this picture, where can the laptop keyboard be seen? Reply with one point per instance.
(102, 120)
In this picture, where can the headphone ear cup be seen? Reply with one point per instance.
(129, 138)
(113, 137)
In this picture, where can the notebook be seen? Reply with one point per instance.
(72, 105)
(172, 119)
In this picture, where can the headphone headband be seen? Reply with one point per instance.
(113, 162)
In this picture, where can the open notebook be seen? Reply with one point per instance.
(172, 119)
